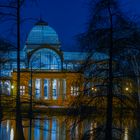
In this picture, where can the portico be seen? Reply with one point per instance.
(54, 87)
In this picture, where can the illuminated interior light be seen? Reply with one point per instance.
(94, 88)
(126, 88)
(12, 87)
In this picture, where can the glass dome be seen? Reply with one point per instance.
(41, 33)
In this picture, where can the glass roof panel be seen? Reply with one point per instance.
(42, 34)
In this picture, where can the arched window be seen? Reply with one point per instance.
(45, 59)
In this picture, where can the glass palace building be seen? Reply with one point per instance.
(48, 72)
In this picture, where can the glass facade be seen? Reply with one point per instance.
(46, 88)
(37, 88)
(42, 55)
(55, 88)
(45, 59)
(5, 87)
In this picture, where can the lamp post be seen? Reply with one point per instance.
(12, 87)
(31, 75)
(30, 107)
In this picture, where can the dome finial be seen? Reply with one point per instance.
(41, 21)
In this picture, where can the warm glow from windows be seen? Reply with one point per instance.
(12, 87)
(127, 89)
(22, 90)
(94, 89)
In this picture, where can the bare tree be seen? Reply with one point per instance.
(10, 10)
(109, 31)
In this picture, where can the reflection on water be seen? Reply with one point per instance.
(126, 133)
(51, 128)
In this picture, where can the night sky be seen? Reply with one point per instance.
(67, 17)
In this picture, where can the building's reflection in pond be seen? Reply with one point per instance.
(51, 128)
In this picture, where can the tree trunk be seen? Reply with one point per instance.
(19, 129)
(108, 132)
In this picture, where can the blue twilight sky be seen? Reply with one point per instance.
(67, 17)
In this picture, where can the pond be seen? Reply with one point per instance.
(46, 127)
